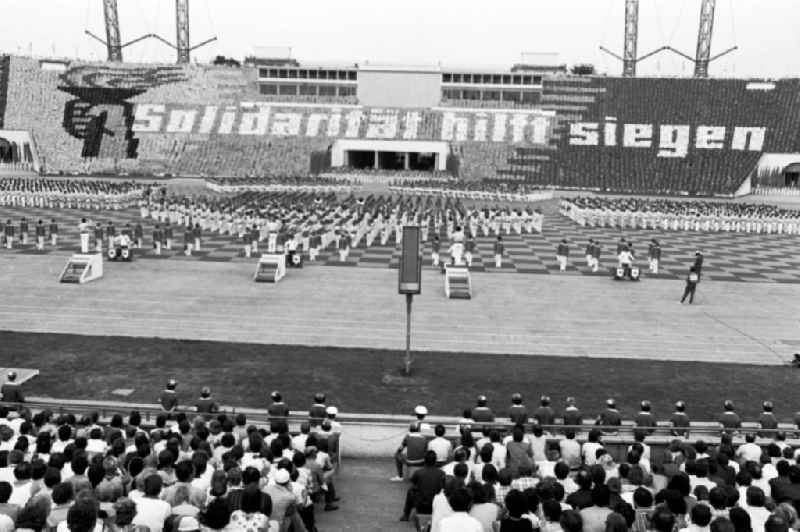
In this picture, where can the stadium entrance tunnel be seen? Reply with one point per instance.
(390, 155)
(791, 175)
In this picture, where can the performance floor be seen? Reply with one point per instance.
(562, 315)
(728, 256)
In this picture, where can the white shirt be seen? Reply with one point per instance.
(750, 452)
(589, 452)
(152, 513)
(442, 447)
(441, 509)
(499, 455)
(461, 522)
(538, 446)
(20, 494)
(6, 524)
(62, 526)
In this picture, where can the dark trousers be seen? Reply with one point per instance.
(409, 503)
(307, 515)
(689, 291)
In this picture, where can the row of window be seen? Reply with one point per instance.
(306, 90)
(352, 75)
(303, 73)
(493, 79)
(519, 96)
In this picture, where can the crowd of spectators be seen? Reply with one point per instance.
(540, 477)
(688, 215)
(196, 469)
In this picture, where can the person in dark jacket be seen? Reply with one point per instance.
(691, 284)
(11, 391)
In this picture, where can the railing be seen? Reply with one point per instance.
(378, 435)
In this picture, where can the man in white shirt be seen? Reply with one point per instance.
(460, 457)
(570, 450)
(590, 448)
(749, 451)
(299, 441)
(150, 510)
(460, 520)
(441, 446)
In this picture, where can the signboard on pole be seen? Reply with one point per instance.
(410, 275)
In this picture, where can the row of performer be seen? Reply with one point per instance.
(679, 222)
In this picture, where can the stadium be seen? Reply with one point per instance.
(246, 294)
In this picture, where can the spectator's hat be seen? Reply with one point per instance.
(545, 400)
(12, 375)
(697, 253)
(767, 405)
(481, 400)
(680, 406)
(516, 398)
(205, 392)
(331, 410)
(281, 476)
(645, 406)
(728, 404)
(276, 396)
(611, 403)
(420, 410)
(319, 397)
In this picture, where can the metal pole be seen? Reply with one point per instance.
(409, 298)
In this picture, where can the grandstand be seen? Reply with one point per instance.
(629, 412)
(645, 135)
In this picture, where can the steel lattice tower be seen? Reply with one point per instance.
(113, 42)
(629, 58)
(703, 55)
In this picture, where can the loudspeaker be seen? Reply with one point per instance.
(409, 279)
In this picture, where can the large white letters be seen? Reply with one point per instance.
(637, 135)
(748, 138)
(710, 138)
(411, 125)
(540, 129)
(254, 122)
(382, 124)
(533, 127)
(481, 126)
(148, 118)
(286, 124)
(500, 126)
(584, 134)
(454, 127)
(673, 141)
(518, 123)
(181, 121)
(314, 121)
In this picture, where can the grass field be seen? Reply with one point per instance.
(370, 380)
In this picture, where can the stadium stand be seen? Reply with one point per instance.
(640, 135)
(176, 466)
(681, 215)
(183, 469)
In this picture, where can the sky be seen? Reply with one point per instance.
(454, 33)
